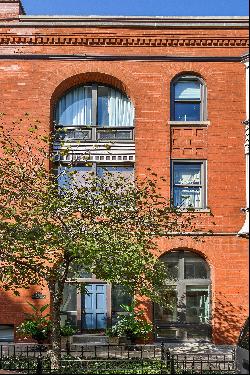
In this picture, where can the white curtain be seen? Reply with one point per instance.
(188, 90)
(75, 108)
(187, 174)
(185, 197)
(114, 108)
(120, 108)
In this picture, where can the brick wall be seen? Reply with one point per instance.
(10, 9)
(33, 86)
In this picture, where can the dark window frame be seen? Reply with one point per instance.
(202, 101)
(180, 286)
(93, 132)
(94, 165)
(203, 184)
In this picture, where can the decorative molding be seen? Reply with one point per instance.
(94, 41)
(97, 152)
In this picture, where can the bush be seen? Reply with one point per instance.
(132, 325)
(67, 330)
(36, 325)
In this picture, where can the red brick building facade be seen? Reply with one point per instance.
(145, 58)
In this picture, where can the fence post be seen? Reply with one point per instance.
(193, 366)
(234, 355)
(172, 367)
(168, 358)
(68, 347)
(39, 366)
(162, 351)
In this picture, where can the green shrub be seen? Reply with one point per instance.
(36, 325)
(67, 330)
(132, 325)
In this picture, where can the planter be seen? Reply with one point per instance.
(119, 340)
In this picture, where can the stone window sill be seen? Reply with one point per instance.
(197, 211)
(189, 123)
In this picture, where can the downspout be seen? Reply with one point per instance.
(244, 232)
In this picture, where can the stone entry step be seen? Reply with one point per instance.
(89, 339)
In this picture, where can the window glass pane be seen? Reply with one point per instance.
(173, 268)
(125, 171)
(120, 297)
(68, 309)
(188, 197)
(187, 111)
(6, 333)
(197, 304)
(114, 134)
(171, 262)
(188, 90)
(72, 176)
(195, 269)
(187, 173)
(75, 108)
(69, 298)
(114, 108)
(167, 314)
(103, 106)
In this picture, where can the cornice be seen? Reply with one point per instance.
(136, 21)
(140, 41)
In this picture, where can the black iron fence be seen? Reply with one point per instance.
(113, 359)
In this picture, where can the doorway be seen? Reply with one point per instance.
(94, 307)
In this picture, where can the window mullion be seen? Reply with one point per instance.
(94, 110)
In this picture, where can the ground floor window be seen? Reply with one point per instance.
(189, 296)
(6, 332)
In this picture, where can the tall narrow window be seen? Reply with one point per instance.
(188, 99)
(189, 317)
(188, 184)
(86, 108)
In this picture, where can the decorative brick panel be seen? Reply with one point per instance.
(189, 142)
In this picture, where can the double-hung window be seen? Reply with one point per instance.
(188, 99)
(95, 112)
(188, 184)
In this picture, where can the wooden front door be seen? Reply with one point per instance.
(94, 307)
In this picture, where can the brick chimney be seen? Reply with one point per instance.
(10, 9)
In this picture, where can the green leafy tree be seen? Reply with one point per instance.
(51, 224)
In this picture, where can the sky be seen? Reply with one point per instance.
(138, 7)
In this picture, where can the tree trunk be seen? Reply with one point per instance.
(55, 353)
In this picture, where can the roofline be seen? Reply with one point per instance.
(135, 21)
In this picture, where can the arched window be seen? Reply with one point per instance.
(95, 112)
(188, 99)
(189, 295)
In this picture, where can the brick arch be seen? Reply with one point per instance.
(193, 73)
(85, 78)
(192, 250)
(89, 77)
